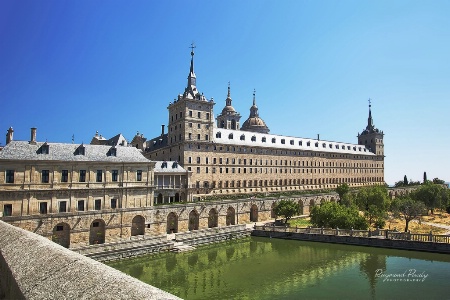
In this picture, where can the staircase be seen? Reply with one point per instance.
(181, 247)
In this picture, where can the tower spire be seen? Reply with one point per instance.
(191, 77)
(228, 100)
(370, 120)
(254, 97)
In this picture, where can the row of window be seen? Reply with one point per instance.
(282, 152)
(292, 142)
(285, 182)
(251, 161)
(43, 206)
(45, 176)
(271, 170)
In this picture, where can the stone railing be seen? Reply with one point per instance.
(33, 267)
(379, 233)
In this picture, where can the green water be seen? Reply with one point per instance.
(262, 268)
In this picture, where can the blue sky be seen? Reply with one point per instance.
(75, 67)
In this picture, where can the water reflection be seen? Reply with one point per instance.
(259, 268)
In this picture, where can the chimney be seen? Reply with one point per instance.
(162, 130)
(33, 136)
(9, 135)
(318, 137)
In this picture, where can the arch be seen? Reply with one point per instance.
(177, 197)
(311, 204)
(97, 232)
(61, 234)
(322, 201)
(254, 213)
(160, 199)
(172, 223)
(231, 216)
(193, 220)
(138, 225)
(272, 211)
(213, 218)
(300, 207)
(233, 124)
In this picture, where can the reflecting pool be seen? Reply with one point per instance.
(262, 268)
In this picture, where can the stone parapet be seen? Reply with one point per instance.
(32, 267)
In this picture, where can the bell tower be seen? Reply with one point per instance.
(372, 137)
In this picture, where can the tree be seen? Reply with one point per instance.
(286, 209)
(374, 202)
(342, 190)
(432, 195)
(425, 177)
(438, 181)
(333, 215)
(405, 181)
(408, 209)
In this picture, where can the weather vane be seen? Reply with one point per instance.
(192, 47)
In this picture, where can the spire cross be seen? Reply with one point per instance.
(370, 102)
(192, 48)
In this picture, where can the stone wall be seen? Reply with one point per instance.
(32, 267)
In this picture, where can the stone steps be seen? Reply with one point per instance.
(181, 247)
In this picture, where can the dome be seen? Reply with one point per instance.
(255, 124)
(228, 110)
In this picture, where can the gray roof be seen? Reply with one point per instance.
(22, 150)
(171, 167)
(255, 139)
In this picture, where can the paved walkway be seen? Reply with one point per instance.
(447, 227)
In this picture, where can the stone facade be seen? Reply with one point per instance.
(226, 159)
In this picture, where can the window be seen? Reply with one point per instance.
(82, 175)
(115, 175)
(189, 160)
(198, 160)
(80, 205)
(62, 206)
(64, 176)
(207, 116)
(253, 138)
(190, 114)
(199, 115)
(283, 141)
(263, 139)
(96, 224)
(7, 210)
(274, 140)
(292, 142)
(190, 136)
(113, 203)
(139, 175)
(206, 137)
(44, 149)
(218, 135)
(230, 136)
(242, 137)
(198, 125)
(45, 176)
(190, 125)
(9, 176)
(198, 169)
(98, 204)
(42, 207)
(198, 136)
(99, 175)
(113, 150)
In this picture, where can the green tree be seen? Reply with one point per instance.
(286, 209)
(374, 202)
(342, 190)
(438, 181)
(405, 180)
(408, 209)
(425, 177)
(432, 195)
(333, 215)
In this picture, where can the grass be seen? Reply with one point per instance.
(300, 222)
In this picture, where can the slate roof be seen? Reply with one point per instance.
(298, 143)
(171, 167)
(23, 150)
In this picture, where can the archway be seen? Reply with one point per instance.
(193, 220)
(300, 207)
(231, 216)
(61, 234)
(254, 213)
(97, 232)
(160, 199)
(272, 211)
(172, 223)
(138, 226)
(311, 204)
(177, 197)
(213, 218)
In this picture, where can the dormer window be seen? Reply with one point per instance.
(218, 135)
(242, 137)
(300, 143)
(317, 144)
(324, 145)
(283, 141)
(80, 150)
(230, 136)
(253, 138)
(44, 149)
(274, 140)
(292, 142)
(308, 144)
(175, 165)
(164, 165)
(263, 139)
(112, 151)
(330, 145)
